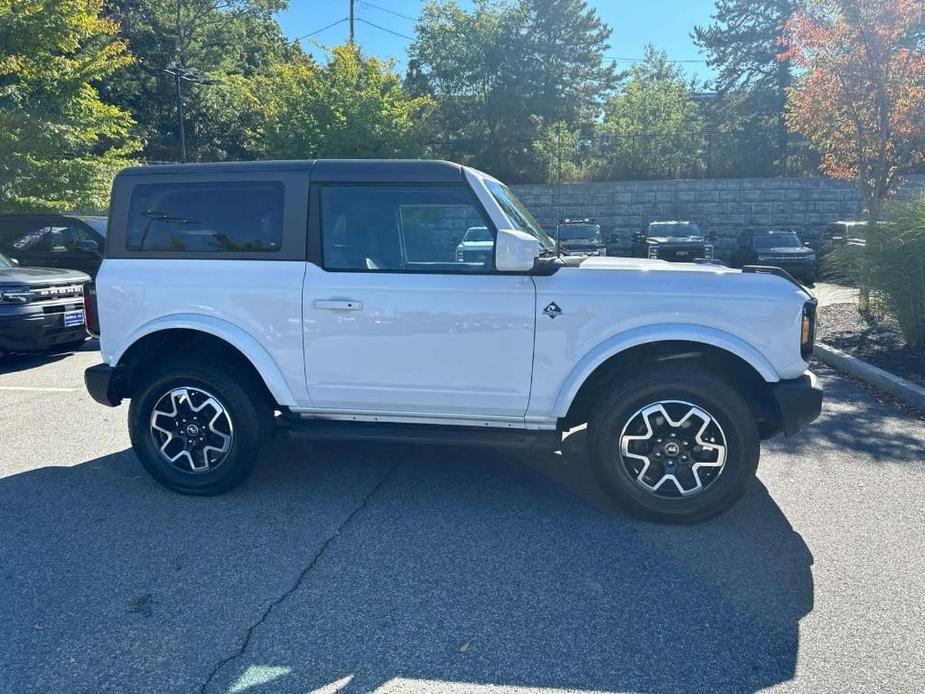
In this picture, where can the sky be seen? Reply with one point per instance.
(665, 23)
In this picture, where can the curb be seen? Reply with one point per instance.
(910, 393)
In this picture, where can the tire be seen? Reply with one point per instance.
(685, 395)
(217, 406)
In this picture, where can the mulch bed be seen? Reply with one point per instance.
(876, 340)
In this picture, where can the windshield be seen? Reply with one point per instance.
(98, 224)
(570, 232)
(5, 263)
(675, 230)
(777, 241)
(478, 234)
(518, 215)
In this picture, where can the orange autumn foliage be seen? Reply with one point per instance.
(860, 99)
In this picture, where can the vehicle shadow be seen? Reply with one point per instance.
(369, 566)
(853, 421)
(14, 362)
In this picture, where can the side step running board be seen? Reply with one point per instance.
(322, 430)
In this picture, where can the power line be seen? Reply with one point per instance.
(318, 31)
(642, 60)
(386, 9)
(382, 28)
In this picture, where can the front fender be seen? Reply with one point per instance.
(658, 333)
(244, 342)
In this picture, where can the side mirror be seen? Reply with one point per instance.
(15, 261)
(515, 251)
(807, 244)
(639, 235)
(87, 246)
(711, 236)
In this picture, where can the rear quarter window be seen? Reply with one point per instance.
(209, 217)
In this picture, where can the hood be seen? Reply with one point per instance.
(786, 250)
(678, 240)
(41, 276)
(581, 242)
(652, 265)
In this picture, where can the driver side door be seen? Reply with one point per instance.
(395, 323)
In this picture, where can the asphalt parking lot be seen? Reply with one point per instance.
(345, 568)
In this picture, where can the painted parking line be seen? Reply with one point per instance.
(39, 389)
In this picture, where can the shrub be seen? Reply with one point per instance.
(890, 267)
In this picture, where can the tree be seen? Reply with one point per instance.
(652, 128)
(861, 99)
(560, 154)
(60, 143)
(231, 40)
(743, 44)
(351, 107)
(499, 70)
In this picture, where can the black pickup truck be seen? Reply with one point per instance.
(778, 248)
(41, 308)
(676, 241)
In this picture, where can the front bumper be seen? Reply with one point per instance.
(104, 383)
(33, 328)
(798, 401)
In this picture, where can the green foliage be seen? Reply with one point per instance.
(653, 128)
(501, 69)
(351, 107)
(560, 154)
(59, 142)
(742, 45)
(231, 40)
(890, 268)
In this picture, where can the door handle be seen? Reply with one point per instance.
(338, 304)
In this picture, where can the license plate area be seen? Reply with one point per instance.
(72, 319)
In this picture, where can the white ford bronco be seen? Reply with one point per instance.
(328, 297)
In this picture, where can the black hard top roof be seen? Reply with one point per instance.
(322, 170)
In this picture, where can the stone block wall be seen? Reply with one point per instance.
(723, 206)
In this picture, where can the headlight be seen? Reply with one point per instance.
(810, 257)
(808, 329)
(15, 295)
(763, 258)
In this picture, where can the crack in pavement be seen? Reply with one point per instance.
(242, 649)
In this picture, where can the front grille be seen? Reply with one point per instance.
(45, 293)
(61, 308)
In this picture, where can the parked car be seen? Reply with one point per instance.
(40, 308)
(477, 246)
(74, 242)
(673, 241)
(780, 248)
(581, 237)
(850, 232)
(325, 291)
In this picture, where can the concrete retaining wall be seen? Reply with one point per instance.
(723, 206)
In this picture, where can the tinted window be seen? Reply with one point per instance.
(777, 241)
(408, 228)
(49, 239)
(233, 217)
(570, 232)
(518, 214)
(674, 230)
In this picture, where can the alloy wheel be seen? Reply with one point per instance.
(191, 429)
(673, 449)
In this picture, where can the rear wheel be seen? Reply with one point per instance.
(196, 430)
(677, 445)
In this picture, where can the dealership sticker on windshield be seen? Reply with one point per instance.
(73, 318)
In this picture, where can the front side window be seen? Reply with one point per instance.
(233, 216)
(403, 228)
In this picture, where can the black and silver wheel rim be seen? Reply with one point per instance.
(191, 429)
(673, 449)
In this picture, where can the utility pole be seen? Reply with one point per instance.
(190, 75)
(351, 21)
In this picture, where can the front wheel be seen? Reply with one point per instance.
(675, 445)
(196, 430)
